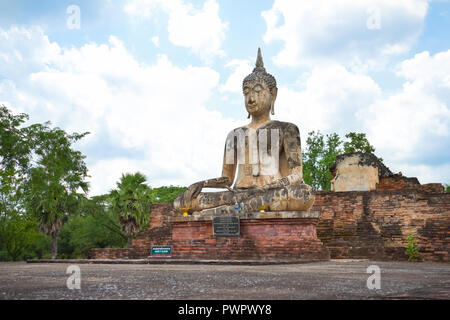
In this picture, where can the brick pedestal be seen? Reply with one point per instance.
(359, 224)
(263, 236)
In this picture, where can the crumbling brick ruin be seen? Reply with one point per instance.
(370, 219)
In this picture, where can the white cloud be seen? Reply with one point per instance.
(105, 173)
(425, 173)
(144, 8)
(201, 30)
(155, 111)
(241, 68)
(414, 124)
(328, 101)
(338, 30)
(155, 41)
(19, 57)
(410, 129)
(158, 112)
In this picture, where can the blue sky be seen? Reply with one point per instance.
(158, 83)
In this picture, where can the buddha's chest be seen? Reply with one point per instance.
(259, 154)
(260, 146)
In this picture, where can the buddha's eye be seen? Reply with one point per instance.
(246, 90)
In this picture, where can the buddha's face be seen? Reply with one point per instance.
(258, 98)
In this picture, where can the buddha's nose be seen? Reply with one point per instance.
(251, 99)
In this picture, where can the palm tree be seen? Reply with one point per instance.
(131, 203)
(51, 202)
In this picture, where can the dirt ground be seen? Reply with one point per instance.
(336, 279)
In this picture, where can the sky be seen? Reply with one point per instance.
(158, 83)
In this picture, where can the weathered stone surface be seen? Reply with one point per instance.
(251, 216)
(397, 182)
(337, 279)
(432, 188)
(364, 172)
(298, 197)
(357, 171)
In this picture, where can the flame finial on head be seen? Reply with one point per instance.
(259, 60)
(259, 72)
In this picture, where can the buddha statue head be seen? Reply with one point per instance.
(260, 90)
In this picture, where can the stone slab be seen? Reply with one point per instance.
(251, 216)
(333, 280)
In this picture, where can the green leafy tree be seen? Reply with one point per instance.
(95, 227)
(16, 230)
(332, 149)
(357, 143)
(319, 155)
(131, 203)
(41, 181)
(166, 194)
(82, 233)
(56, 184)
(11, 201)
(447, 188)
(321, 151)
(311, 159)
(15, 153)
(15, 145)
(19, 237)
(39, 245)
(16, 233)
(100, 208)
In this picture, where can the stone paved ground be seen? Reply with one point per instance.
(336, 279)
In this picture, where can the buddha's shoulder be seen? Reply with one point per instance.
(274, 124)
(284, 126)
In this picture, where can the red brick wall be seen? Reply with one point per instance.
(110, 253)
(375, 224)
(260, 239)
(159, 236)
(160, 213)
(397, 182)
(371, 224)
(159, 233)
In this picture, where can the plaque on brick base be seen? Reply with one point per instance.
(227, 226)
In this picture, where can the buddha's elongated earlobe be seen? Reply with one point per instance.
(274, 97)
(248, 116)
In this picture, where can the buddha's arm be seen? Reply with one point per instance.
(292, 148)
(221, 182)
(228, 172)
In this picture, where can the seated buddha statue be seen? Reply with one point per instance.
(266, 155)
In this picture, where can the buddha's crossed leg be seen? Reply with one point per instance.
(296, 197)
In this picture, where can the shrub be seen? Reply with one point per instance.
(4, 256)
(412, 251)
